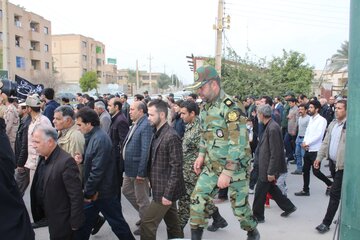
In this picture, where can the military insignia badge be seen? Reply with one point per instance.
(233, 116)
(228, 102)
(219, 133)
(196, 76)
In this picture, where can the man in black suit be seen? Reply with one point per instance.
(166, 175)
(271, 165)
(119, 128)
(57, 186)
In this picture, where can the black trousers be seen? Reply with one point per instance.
(223, 193)
(262, 188)
(254, 175)
(335, 195)
(309, 159)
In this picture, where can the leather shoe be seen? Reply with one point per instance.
(287, 213)
(100, 221)
(39, 224)
(322, 228)
(137, 232)
(302, 193)
(297, 172)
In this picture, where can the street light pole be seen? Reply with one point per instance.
(350, 211)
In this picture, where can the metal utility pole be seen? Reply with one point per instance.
(137, 76)
(350, 202)
(5, 30)
(150, 89)
(219, 31)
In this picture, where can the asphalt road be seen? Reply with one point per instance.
(298, 226)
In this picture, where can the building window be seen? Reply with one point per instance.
(98, 62)
(17, 41)
(46, 30)
(17, 21)
(1, 36)
(34, 46)
(98, 73)
(46, 48)
(84, 57)
(84, 70)
(20, 62)
(35, 64)
(1, 14)
(84, 44)
(34, 26)
(47, 65)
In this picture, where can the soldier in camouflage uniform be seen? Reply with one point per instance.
(189, 113)
(12, 120)
(224, 155)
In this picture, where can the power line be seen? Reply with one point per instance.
(303, 5)
(290, 14)
(285, 19)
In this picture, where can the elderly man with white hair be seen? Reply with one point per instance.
(105, 118)
(56, 186)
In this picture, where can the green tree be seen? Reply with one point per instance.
(132, 76)
(164, 81)
(290, 72)
(340, 59)
(89, 81)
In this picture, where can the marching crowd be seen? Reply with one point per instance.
(172, 160)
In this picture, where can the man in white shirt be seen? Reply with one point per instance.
(312, 142)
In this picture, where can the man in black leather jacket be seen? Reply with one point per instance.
(100, 174)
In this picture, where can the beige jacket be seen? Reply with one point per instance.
(323, 153)
(11, 117)
(32, 159)
(72, 141)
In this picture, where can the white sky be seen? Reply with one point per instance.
(170, 29)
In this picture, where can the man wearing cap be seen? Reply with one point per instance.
(21, 140)
(224, 154)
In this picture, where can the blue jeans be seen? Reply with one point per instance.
(299, 153)
(111, 209)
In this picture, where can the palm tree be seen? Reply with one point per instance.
(340, 59)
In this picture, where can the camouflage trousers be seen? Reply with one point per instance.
(184, 205)
(206, 188)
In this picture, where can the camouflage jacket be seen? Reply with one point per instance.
(12, 122)
(190, 145)
(224, 137)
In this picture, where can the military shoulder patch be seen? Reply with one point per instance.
(233, 116)
(228, 102)
(196, 76)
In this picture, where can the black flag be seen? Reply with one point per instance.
(24, 87)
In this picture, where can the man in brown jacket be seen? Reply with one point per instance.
(165, 172)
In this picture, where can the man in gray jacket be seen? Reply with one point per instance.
(333, 149)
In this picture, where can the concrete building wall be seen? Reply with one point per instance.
(29, 43)
(75, 54)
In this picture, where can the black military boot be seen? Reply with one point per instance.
(196, 234)
(253, 234)
(219, 222)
